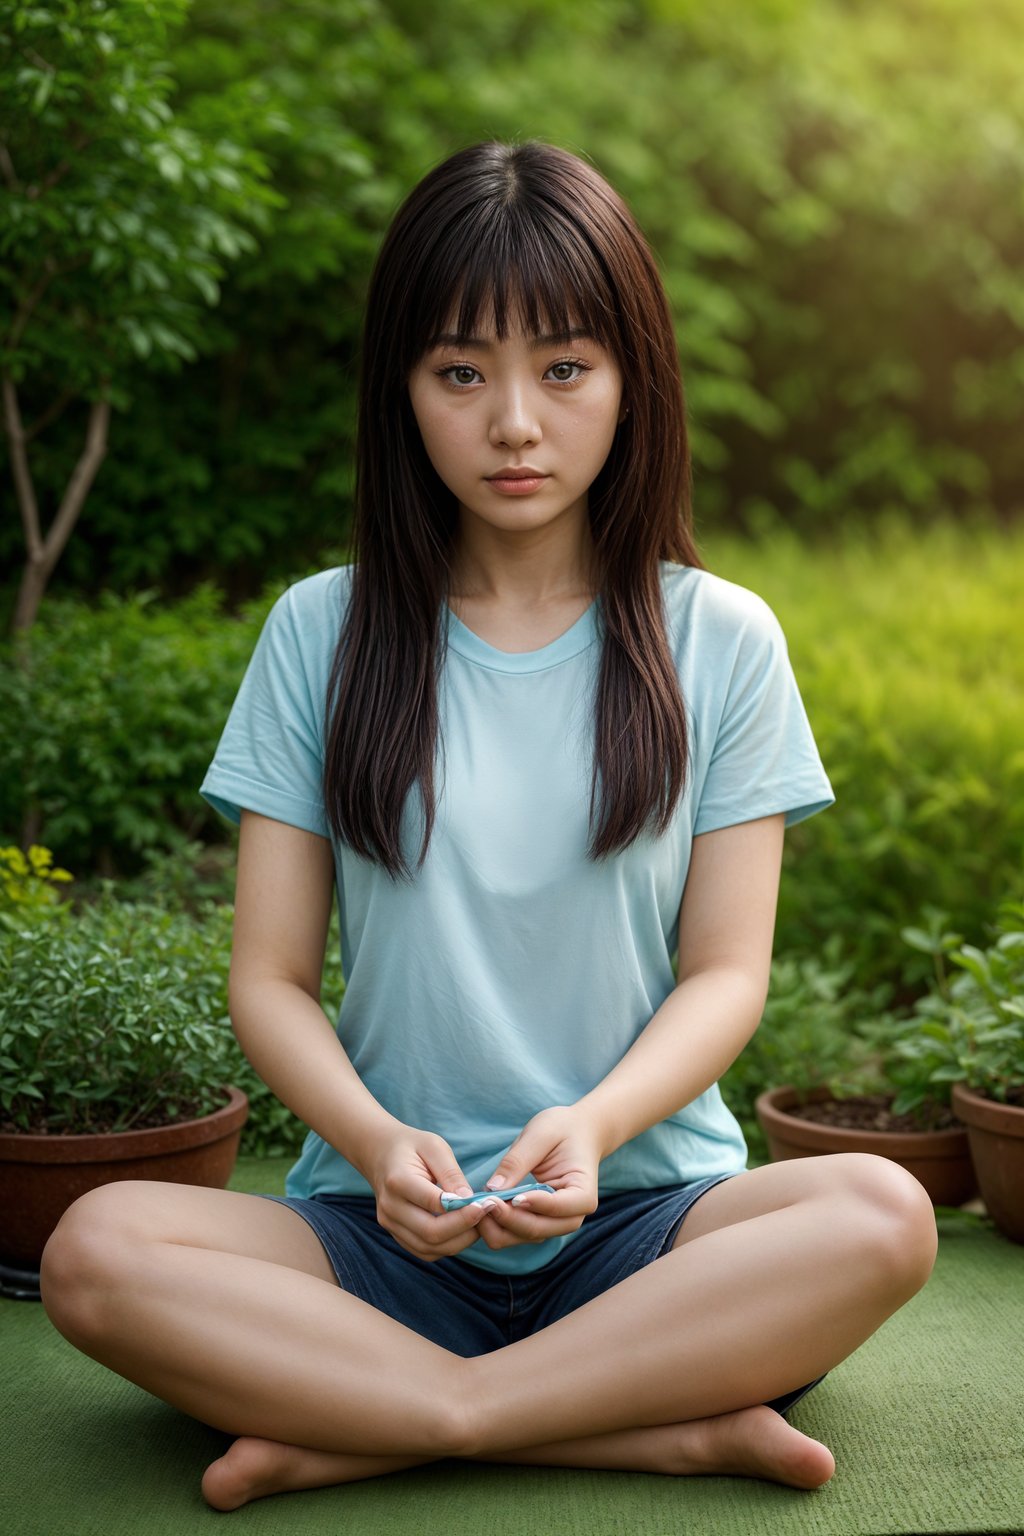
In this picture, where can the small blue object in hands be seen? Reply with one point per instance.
(456, 1202)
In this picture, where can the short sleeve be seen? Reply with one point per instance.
(764, 758)
(270, 755)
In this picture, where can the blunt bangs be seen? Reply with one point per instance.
(527, 268)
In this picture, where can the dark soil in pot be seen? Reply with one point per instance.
(816, 1124)
(102, 1123)
(873, 1112)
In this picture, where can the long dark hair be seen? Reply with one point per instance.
(538, 233)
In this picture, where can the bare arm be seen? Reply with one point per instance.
(726, 930)
(283, 898)
(282, 915)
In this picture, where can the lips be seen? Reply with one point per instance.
(524, 472)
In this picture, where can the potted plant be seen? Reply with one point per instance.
(820, 1050)
(966, 1037)
(116, 1055)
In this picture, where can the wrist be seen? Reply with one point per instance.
(592, 1111)
(372, 1139)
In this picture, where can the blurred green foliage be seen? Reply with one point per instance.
(815, 1031)
(832, 192)
(906, 646)
(907, 653)
(115, 712)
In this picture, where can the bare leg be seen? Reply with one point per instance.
(264, 1351)
(781, 1298)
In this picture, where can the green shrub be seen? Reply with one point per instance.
(110, 1020)
(182, 878)
(116, 716)
(812, 1034)
(969, 1028)
(117, 1018)
(907, 651)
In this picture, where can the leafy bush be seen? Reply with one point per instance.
(116, 1018)
(110, 1020)
(970, 1027)
(835, 359)
(812, 1034)
(907, 651)
(181, 878)
(116, 716)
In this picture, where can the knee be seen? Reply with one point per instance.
(897, 1217)
(75, 1269)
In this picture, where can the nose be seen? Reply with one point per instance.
(514, 419)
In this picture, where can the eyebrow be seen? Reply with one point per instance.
(554, 339)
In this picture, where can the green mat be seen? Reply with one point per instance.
(925, 1420)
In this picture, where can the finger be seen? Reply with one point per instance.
(437, 1236)
(561, 1203)
(530, 1225)
(447, 1174)
(514, 1166)
(425, 1192)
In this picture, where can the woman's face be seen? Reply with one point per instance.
(528, 401)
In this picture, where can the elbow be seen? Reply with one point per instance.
(747, 987)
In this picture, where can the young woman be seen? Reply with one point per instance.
(535, 746)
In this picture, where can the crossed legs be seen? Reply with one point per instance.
(775, 1277)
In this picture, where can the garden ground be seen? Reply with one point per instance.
(924, 1420)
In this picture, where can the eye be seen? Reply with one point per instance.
(443, 373)
(451, 369)
(571, 362)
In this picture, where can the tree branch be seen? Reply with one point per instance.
(27, 505)
(7, 166)
(28, 305)
(50, 414)
(59, 171)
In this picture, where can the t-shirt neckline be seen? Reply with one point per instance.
(573, 640)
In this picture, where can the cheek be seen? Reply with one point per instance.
(598, 421)
(432, 420)
(444, 434)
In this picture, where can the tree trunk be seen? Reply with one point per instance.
(44, 554)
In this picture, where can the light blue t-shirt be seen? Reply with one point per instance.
(514, 973)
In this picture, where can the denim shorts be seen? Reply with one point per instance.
(471, 1311)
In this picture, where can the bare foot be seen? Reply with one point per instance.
(750, 1442)
(252, 1468)
(757, 1442)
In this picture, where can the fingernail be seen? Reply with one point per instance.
(489, 1205)
(519, 1199)
(495, 1183)
(463, 1189)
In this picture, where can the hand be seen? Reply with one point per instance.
(406, 1174)
(559, 1146)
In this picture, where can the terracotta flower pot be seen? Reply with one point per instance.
(40, 1176)
(940, 1160)
(996, 1134)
